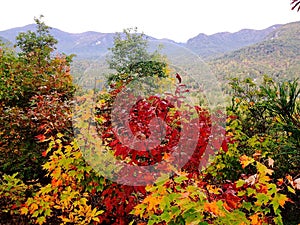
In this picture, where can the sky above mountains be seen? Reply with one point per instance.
(177, 20)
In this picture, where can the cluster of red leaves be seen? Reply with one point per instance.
(50, 114)
(119, 200)
(140, 117)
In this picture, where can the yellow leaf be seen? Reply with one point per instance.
(60, 135)
(213, 189)
(152, 202)
(96, 219)
(24, 211)
(33, 207)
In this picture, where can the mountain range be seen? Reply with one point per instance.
(273, 51)
(93, 44)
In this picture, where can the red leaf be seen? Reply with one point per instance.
(40, 137)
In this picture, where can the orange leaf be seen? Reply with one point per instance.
(56, 183)
(24, 211)
(33, 207)
(255, 220)
(282, 199)
(213, 208)
(166, 157)
(289, 178)
(152, 202)
(227, 207)
(245, 161)
(280, 182)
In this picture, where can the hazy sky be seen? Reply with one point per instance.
(177, 20)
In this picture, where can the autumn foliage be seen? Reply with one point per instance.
(45, 178)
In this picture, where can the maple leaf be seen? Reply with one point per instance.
(289, 178)
(24, 211)
(280, 182)
(213, 208)
(245, 161)
(167, 157)
(33, 207)
(227, 207)
(152, 202)
(263, 189)
(281, 199)
(255, 219)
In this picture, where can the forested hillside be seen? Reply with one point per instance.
(278, 56)
(220, 43)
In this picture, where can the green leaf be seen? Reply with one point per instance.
(240, 183)
(247, 205)
(166, 216)
(41, 219)
(180, 179)
(290, 189)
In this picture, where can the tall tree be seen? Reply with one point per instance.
(35, 93)
(130, 58)
(39, 43)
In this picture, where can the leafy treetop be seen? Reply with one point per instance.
(40, 43)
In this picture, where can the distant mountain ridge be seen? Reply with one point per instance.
(85, 45)
(219, 43)
(94, 44)
(278, 56)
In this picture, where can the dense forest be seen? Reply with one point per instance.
(75, 155)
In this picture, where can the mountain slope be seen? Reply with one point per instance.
(216, 44)
(277, 56)
(85, 45)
